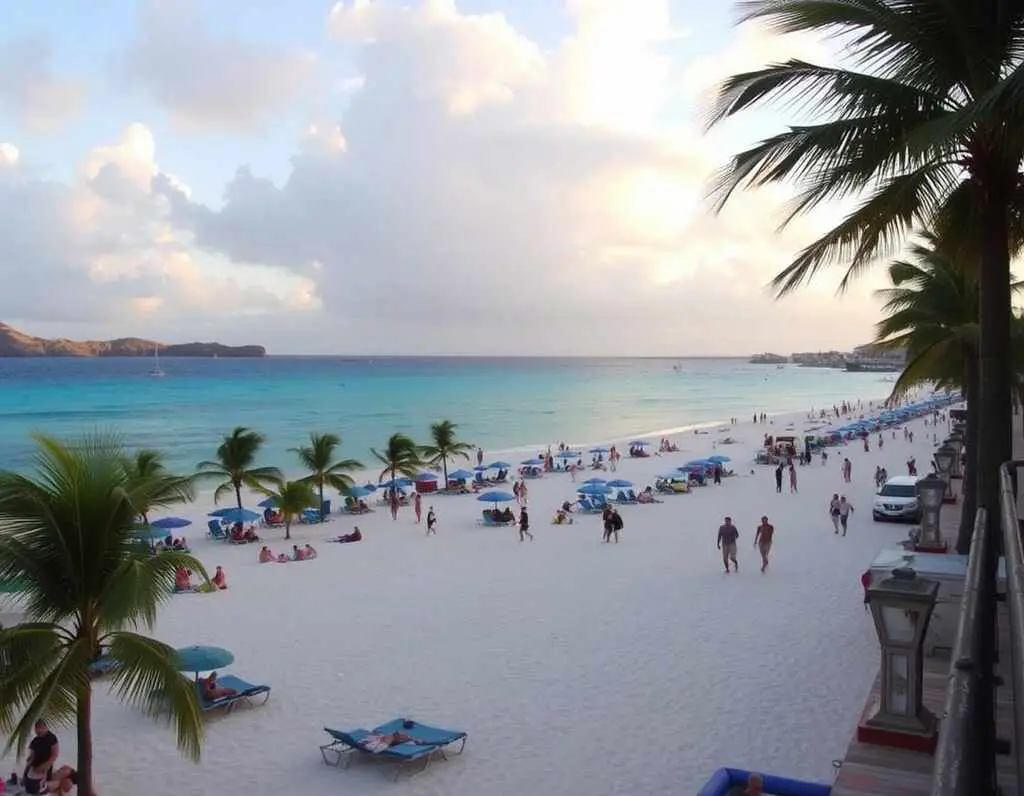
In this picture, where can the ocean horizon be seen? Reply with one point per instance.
(504, 404)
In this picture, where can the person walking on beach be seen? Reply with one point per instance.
(479, 456)
(833, 511)
(515, 490)
(524, 525)
(844, 512)
(728, 534)
(417, 506)
(616, 524)
(431, 521)
(778, 478)
(393, 502)
(847, 469)
(606, 522)
(522, 492)
(792, 478)
(717, 474)
(763, 541)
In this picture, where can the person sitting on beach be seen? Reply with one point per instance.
(297, 555)
(507, 515)
(266, 557)
(647, 496)
(355, 536)
(180, 544)
(211, 691)
(219, 579)
(63, 779)
(308, 552)
(250, 535)
(561, 517)
(755, 785)
(183, 580)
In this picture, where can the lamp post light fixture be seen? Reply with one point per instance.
(901, 607)
(956, 442)
(944, 457)
(930, 491)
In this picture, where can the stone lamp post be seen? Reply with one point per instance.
(930, 491)
(956, 441)
(901, 607)
(944, 457)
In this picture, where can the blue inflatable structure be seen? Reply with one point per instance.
(725, 780)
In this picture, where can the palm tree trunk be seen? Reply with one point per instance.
(970, 480)
(321, 485)
(995, 422)
(288, 527)
(238, 495)
(444, 468)
(84, 733)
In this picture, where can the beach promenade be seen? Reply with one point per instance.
(871, 770)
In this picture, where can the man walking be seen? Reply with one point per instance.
(727, 536)
(524, 525)
(844, 512)
(778, 477)
(763, 541)
(431, 522)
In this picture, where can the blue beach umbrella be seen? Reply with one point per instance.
(639, 443)
(268, 503)
(620, 483)
(595, 481)
(170, 522)
(719, 459)
(396, 483)
(593, 489)
(496, 496)
(202, 659)
(498, 465)
(699, 463)
(598, 450)
(532, 462)
(370, 487)
(460, 475)
(235, 515)
(149, 534)
(426, 476)
(358, 492)
(567, 455)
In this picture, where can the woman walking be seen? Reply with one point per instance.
(524, 525)
(833, 511)
(417, 505)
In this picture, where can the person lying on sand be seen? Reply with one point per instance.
(211, 691)
(219, 579)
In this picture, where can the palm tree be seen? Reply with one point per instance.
(445, 446)
(401, 455)
(86, 585)
(926, 124)
(318, 459)
(148, 465)
(233, 466)
(291, 499)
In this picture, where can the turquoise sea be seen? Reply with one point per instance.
(501, 404)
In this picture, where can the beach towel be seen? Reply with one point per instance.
(375, 743)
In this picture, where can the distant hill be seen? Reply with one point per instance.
(14, 343)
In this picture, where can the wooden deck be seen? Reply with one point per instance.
(870, 770)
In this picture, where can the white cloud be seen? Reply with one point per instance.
(39, 100)
(208, 82)
(102, 250)
(477, 183)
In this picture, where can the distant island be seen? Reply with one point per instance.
(863, 358)
(14, 343)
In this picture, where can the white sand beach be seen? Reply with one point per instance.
(576, 667)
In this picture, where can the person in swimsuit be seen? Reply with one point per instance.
(833, 511)
(763, 541)
(211, 691)
(727, 536)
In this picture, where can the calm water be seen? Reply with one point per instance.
(501, 404)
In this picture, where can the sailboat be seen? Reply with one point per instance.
(156, 372)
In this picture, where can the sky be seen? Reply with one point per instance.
(514, 177)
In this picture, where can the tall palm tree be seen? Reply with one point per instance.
(318, 459)
(86, 585)
(291, 499)
(445, 446)
(400, 456)
(235, 466)
(924, 124)
(168, 489)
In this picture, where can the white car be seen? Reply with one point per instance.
(897, 500)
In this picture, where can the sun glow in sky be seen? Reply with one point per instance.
(376, 176)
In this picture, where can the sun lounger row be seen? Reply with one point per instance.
(401, 741)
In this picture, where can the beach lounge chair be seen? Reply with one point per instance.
(625, 497)
(215, 530)
(427, 744)
(487, 518)
(246, 693)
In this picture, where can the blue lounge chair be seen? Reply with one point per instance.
(590, 505)
(215, 530)
(245, 692)
(427, 743)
